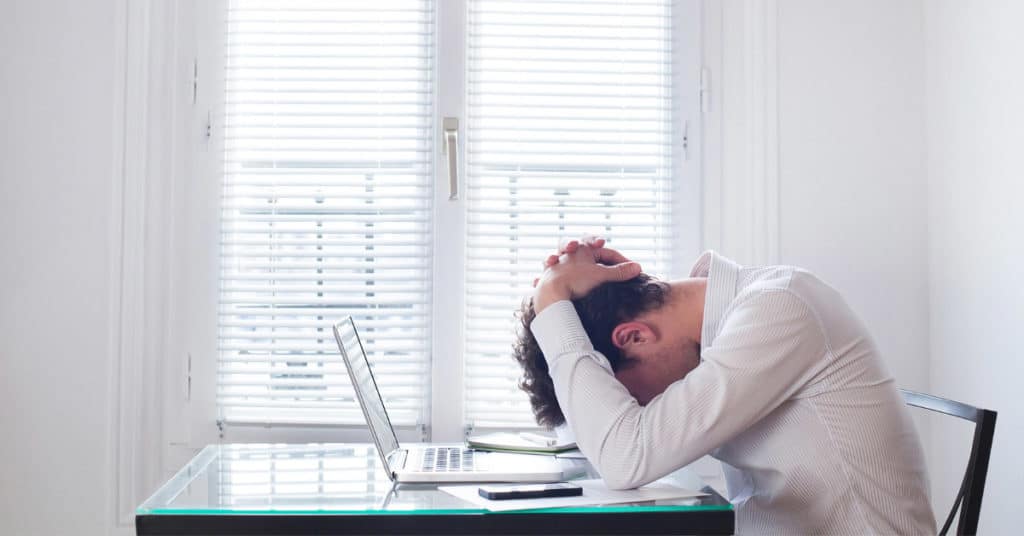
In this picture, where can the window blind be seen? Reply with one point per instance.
(326, 206)
(569, 131)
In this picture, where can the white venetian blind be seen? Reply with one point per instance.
(569, 131)
(326, 206)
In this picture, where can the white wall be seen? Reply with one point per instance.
(851, 163)
(975, 131)
(57, 174)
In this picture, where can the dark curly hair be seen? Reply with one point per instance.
(600, 311)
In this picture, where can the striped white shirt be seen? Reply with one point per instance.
(790, 395)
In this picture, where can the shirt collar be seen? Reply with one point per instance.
(722, 274)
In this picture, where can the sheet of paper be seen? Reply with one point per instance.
(594, 493)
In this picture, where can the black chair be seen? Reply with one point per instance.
(973, 485)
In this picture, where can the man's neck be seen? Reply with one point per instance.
(687, 305)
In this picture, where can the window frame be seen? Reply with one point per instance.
(189, 396)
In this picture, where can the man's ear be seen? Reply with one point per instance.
(632, 334)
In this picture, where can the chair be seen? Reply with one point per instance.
(973, 485)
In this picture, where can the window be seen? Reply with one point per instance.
(569, 132)
(574, 116)
(326, 207)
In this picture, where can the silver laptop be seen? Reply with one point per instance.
(425, 462)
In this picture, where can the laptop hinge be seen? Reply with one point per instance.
(396, 460)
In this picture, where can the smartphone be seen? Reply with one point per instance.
(530, 491)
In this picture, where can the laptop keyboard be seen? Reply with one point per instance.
(447, 459)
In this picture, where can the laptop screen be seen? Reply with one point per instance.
(365, 387)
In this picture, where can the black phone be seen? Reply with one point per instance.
(530, 491)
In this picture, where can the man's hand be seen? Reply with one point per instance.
(579, 269)
(601, 254)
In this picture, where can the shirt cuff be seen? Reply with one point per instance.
(559, 331)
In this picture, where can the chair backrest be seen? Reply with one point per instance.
(973, 486)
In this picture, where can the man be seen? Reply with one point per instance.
(766, 369)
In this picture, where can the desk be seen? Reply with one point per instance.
(342, 489)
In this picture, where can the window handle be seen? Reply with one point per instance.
(451, 148)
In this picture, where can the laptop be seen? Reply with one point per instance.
(426, 462)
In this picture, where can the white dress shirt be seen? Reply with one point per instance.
(790, 395)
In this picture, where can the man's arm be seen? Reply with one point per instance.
(769, 347)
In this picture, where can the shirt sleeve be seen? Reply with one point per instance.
(769, 347)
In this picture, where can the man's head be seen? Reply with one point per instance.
(632, 324)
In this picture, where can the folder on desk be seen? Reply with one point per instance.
(526, 442)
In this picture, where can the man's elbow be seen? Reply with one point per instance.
(623, 458)
(629, 467)
(618, 482)
(621, 474)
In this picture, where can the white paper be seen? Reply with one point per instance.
(594, 493)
